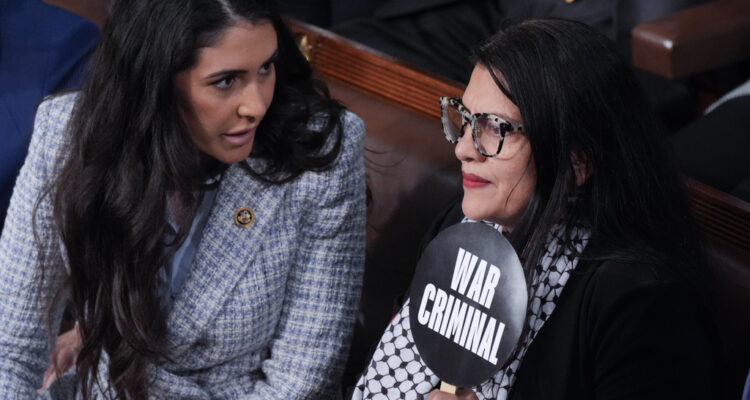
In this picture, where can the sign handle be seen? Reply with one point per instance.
(447, 387)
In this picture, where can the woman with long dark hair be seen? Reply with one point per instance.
(560, 152)
(198, 206)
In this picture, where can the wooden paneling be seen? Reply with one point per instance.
(723, 219)
(341, 60)
(695, 40)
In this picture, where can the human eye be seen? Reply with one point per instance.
(266, 68)
(224, 83)
(493, 127)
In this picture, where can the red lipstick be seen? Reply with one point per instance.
(473, 181)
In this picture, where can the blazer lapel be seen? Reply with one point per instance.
(223, 255)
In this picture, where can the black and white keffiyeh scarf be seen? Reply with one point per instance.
(396, 370)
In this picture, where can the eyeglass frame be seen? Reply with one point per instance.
(469, 118)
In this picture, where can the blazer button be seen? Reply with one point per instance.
(244, 217)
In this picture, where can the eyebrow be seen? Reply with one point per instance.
(225, 72)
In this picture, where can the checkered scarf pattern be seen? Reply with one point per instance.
(397, 371)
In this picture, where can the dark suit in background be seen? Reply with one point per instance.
(438, 35)
(43, 49)
(713, 149)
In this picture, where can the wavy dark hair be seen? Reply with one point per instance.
(129, 156)
(577, 96)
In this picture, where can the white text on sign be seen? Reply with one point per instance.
(456, 320)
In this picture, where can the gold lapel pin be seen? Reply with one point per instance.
(244, 217)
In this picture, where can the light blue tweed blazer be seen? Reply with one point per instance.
(266, 312)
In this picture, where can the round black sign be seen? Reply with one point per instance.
(467, 303)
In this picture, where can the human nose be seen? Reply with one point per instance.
(465, 149)
(253, 104)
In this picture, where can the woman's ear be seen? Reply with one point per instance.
(581, 166)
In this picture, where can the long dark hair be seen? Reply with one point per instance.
(129, 156)
(577, 96)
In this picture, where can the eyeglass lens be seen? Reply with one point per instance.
(489, 133)
(452, 123)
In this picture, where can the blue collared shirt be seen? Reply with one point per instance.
(174, 273)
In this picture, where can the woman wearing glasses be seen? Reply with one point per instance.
(559, 151)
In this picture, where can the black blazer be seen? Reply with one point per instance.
(619, 331)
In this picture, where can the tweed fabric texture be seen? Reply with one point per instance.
(266, 312)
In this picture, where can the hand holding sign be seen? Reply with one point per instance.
(468, 303)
